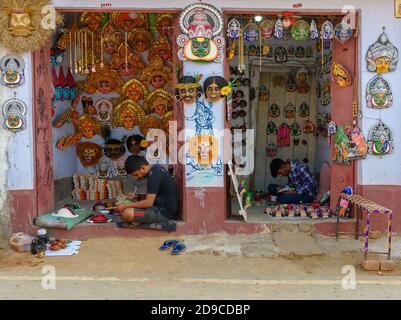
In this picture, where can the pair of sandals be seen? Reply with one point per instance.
(177, 245)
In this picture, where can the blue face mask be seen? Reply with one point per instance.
(66, 93)
(53, 61)
(73, 93)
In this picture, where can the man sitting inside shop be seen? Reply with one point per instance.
(301, 186)
(160, 204)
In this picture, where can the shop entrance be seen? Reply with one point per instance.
(112, 76)
(286, 94)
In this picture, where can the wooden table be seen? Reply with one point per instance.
(363, 204)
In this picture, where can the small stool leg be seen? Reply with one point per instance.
(357, 213)
(389, 230)
(367, 235)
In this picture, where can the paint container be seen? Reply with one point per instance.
(42, 235)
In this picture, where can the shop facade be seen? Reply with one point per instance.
(27, 170)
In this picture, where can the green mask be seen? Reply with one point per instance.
(200, 47)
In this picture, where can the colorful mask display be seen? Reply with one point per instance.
(164, 24)
(343, 32)
(233, 29)
(103, 81)
(14, 113)
(283, 135)
(380, 140)
(300, 30)
(127, 114)
(278, 29)
(109, 39)
(289, 111)
(23, 27)
(140, 39)
(214, 88)
(12, 71)
(135, 90)
(157, 74)
(382, 56)
(314, 32)
(147, 123)
(340, 75)
(378, 93)
(92, 20)
(280, 55)
(271, 128)
(303, 110)
(128, 20)
(188, 89)
(104, 109)
(327, 32)
(251, 32)
(126, 62)
(160, 102)
(89, 153)
(162, 48)
(201, 25)
(87, 126)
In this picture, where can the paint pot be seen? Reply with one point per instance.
(42, 235)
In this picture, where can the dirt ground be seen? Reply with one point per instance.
(137, 264)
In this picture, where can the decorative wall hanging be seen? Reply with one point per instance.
(157, 74)
(58, 83)
(378, 93)
(340, 75)
(140, 39)
(160, 102)
(303, 110)
(286, 34)
(327, 32)
(278, 29)
(128, 20)
(92, 20)
(290, 52)
(147, 123)
(271, 128)
(188, 89)
(87, 126)
(280, 55)
(382, 56)
(251, 32)
(233, 29)
(12, 71)
(14, 113)
(104, 109)
(302, 85)
(289, 111)
(300, 52)
(314, 32)
(331, 130)
(105, 168)
(267, 29)
(110, 40)
(67, 141)
(325, 95)
(162, 48)
(380, 140)
(283, 135)
(358, 146)
(253, 50)
(89, 153)
(309, 127)
(295, 129)
(291, 84)
(126, 62)
(341, 147)
(300, 30)
(271, 150)
(343, 32)
(201, 25)
(87, 105)
(127, 114)
(135, 90)
(215, 87)
(21, 25)
(274, 111)
(104, 81)
(263, 93)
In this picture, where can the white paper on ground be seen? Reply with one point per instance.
(72, 248)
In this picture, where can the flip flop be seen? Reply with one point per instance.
(178, 248)
(168, 244)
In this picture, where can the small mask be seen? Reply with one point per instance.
(12, 71)
(14, 113)
(20, 23)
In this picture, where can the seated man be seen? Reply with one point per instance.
(299, 176)
(160, 204)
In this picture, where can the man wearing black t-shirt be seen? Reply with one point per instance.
(160, 204)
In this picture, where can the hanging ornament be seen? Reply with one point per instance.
(233, 29)
(263, 93)
(289, 111)
(331, 130)
(14, 113)
(309, 127)
(300, 52)
(378, 93)
(341, 147)
(271, 150)
(303, 110)
(12, 71)
(283, 135)
(271, 128)
(358, 146)
(380, 140)
(314, 32)
(325, 95)
(267, 29)
(340, 75)
(382, 56)
(343, 32)
(295, 129)
(201, 25)
(278, 29)
(327, 32)
(280, 55)
(251, 32)
(291, 84)
(274, 111)
(286, 34)
(300, 30)
(302, 84)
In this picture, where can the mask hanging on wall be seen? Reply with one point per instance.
(274, 111)
(283, 135)
(291, 84)
(251, 32)
(378, 93)
(343, 32)
(380, 140)
(341, 147)
(89, 153)
(340, 75)
(358, 146)
(289, 111)
(295, 129)
(280, 55)
(271, 129)
(303, 110)
(327, 32)
(12, 71)
(263, 93)
(314, 32)
(267, 29)
(14, 113)
(233, 29)
(300, 30)
(201, 25)
(278, 29)
(300, 52)
(309, 127)
(271, 150)
(382, 56)
(188, 89)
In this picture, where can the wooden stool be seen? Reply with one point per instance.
(370, 207)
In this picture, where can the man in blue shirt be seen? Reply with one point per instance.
(299, 176)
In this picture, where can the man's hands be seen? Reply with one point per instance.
(121, 207)
(132, 196)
